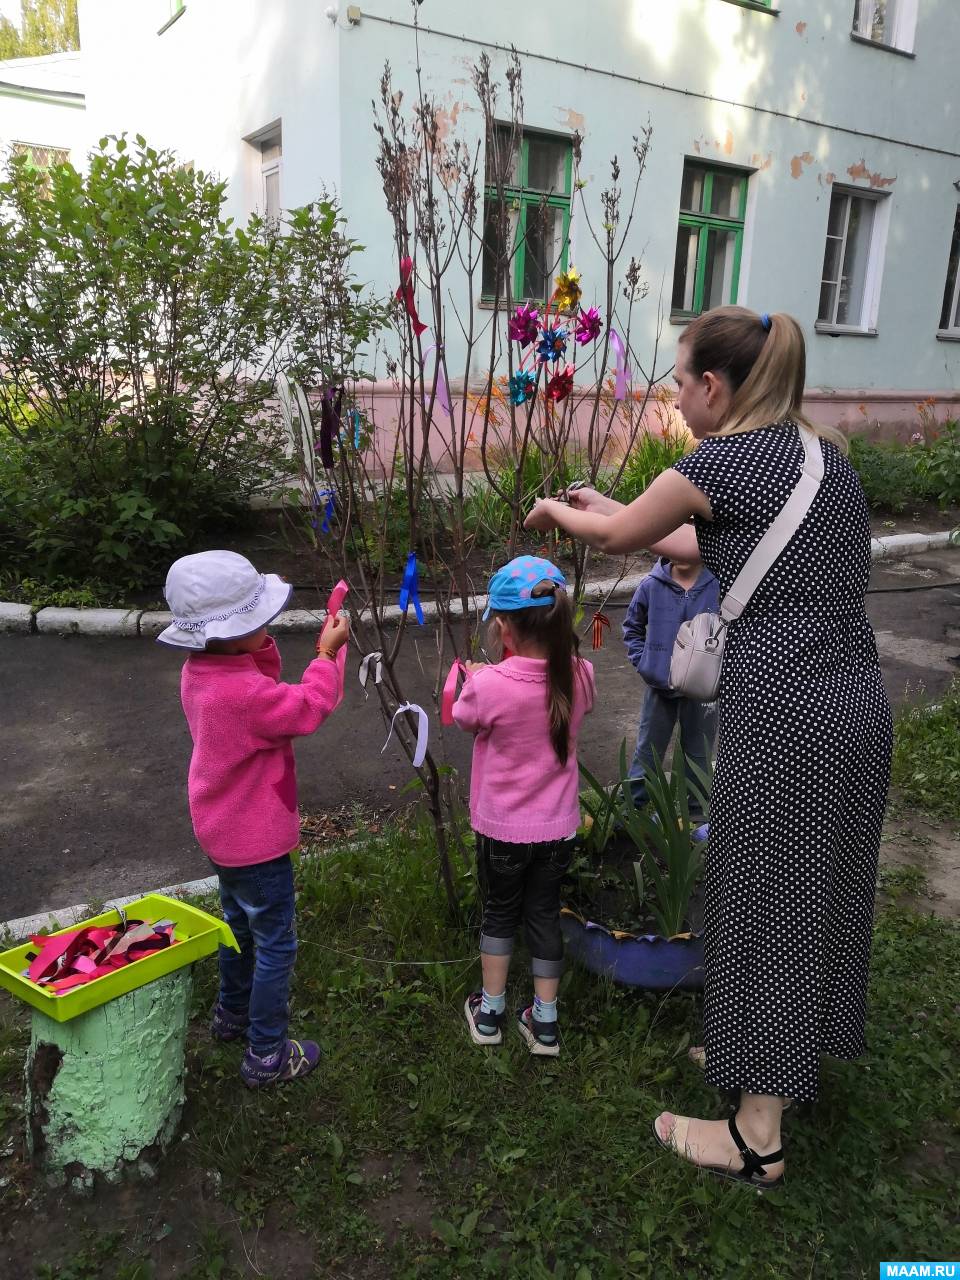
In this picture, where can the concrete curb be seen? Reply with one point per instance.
(22, 619)
(66, 916)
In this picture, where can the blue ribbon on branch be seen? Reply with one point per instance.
(328, 508)
(410, 588)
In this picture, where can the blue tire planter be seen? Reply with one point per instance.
(650, 961)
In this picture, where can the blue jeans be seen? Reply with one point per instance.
(660, 715)
(258, 905)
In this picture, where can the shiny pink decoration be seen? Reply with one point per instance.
(523, 325)
(589, 324)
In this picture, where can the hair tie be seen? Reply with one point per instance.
(766, 322)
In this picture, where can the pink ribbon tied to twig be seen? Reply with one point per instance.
(405, 294)
(334, 605)
(622, 370)
(449, 695)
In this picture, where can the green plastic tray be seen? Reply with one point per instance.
(197, 932)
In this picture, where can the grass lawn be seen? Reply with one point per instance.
(413, 1153)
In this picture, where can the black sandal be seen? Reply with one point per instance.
(752, 1173)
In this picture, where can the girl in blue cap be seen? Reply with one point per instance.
(525, 713)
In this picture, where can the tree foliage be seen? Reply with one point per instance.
(46, 26)
(141, 334)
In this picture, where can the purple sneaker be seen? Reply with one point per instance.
(296, 1059)
(226, 1025)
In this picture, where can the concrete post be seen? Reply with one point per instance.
(105, 1090)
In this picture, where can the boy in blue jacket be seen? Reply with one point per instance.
(672, 592)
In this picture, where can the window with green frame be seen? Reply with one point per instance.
(537, 178)
(713, 204)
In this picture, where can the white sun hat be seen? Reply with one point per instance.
(219, 595)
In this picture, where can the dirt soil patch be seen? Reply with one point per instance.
(922, 860)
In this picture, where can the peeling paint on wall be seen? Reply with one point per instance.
(859, 171)
(760, 162)
(797, 163)
(446, 120)
(800, 28)
(725, 144)
(572, 119)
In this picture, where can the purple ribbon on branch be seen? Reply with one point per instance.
(330, 411)
(622, 370)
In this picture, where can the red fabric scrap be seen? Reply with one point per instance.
(405, 294)
(67, 960)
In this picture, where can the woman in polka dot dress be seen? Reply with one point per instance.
(803, 749)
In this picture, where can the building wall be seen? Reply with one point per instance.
(223, 71)
(41, 104)
(832, 111)
(712, 54)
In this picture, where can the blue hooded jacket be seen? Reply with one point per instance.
(658, 607)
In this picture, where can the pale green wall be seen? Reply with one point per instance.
(801, 62)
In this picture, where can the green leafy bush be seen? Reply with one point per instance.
(485, 513)
(891, 474)
(140, 339)
(939, 464)
(653, 453)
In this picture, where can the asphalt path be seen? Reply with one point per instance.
(94, 748)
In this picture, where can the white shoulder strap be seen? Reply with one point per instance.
(781, 530)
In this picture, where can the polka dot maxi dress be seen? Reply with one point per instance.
(802, 768)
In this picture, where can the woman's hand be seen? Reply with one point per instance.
(475, 666)
(585, 499)
(543, 517)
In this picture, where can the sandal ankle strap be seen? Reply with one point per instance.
(754, 1166)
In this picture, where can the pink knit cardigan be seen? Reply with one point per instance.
(242, 783)
(519, 790)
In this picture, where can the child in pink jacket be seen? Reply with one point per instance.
(525, 713)
(242, 786)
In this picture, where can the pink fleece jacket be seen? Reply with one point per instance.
(243, 780)
(519, 790)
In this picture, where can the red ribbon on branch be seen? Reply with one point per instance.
(600, 621)
(405, 294)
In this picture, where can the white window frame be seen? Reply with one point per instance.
(952, 331)
(261, 169)
(904, 33)
(269, 168)
(876, 251)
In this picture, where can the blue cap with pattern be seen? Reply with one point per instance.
(512, 586)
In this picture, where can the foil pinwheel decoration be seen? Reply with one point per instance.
(523, 325)
(552, 344)
(589, 324)
(567, 293)
(522, 386)
(560, 385)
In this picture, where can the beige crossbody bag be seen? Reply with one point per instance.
(698, 650)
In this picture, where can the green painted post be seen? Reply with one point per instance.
(105, 1090)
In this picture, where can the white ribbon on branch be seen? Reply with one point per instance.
(423, 731)
(375, 660)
